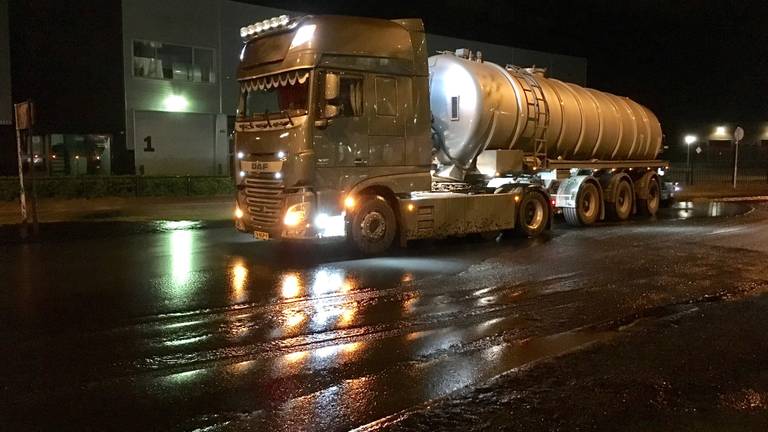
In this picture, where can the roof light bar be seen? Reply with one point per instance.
(262, 26)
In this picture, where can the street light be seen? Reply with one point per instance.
(689, 139)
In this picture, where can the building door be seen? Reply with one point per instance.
(171, 143)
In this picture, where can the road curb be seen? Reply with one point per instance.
(756, 198)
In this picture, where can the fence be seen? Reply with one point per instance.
(750, 174)
(118, 186)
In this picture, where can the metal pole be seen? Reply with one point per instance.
(33, 207)
(22, 193)
(688, 158)
(735, 163)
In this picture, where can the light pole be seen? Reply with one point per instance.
(689, 140)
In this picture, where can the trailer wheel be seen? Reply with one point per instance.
(587, 209)
(373, 226)
(649, 207)
(621, 208)
(532, 215)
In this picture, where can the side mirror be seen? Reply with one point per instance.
(332, 86)
(330, 111)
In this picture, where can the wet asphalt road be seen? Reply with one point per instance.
(175, 327)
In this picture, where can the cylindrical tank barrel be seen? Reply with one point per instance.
(480, 106)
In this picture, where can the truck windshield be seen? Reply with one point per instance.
(274, 96)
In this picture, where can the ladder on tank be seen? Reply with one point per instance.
(537, 113)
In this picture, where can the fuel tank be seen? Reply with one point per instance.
(479, 105)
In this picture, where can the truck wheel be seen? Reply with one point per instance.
(649, 207)
(587, 209)
(621, 208)
(532, 215)
(373, 226)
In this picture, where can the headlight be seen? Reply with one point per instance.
(330, 226)
(296, 214)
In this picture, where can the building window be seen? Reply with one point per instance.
(164, 61)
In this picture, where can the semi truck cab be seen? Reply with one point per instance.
(330, 107)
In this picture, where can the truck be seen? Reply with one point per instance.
(347, 129)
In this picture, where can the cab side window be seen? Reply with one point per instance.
(351, 96)
(350, 100)
(386, 96)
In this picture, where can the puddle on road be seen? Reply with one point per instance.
(379, 398)
(703, 209)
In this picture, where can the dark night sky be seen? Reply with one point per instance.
(691, 62)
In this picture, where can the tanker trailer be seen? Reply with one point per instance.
(594, 151)
(346, 129)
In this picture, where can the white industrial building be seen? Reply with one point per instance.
(180, 92)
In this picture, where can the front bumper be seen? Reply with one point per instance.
(316, 223)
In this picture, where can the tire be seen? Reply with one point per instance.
(373, 226)
(587, 210)
(621, 208)
(649, 207)
(532, 215)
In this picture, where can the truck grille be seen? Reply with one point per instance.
(264, 198)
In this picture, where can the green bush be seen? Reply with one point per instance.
(9, 188)
(119, 186)
(163, 186)
(208, 186)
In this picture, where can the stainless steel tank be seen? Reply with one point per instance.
(480, 106)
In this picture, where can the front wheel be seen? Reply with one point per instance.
(532, 215)
(373, 226)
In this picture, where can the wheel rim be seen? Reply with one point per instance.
(373, 226)
(534, 214)
(589, 203)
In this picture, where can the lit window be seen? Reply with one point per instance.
(163, 61)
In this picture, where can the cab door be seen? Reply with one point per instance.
(343, 142)
(386, 125)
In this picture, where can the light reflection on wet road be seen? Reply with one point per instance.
(204, 329)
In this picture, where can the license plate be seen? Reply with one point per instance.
(259, 167)
(261, 235)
